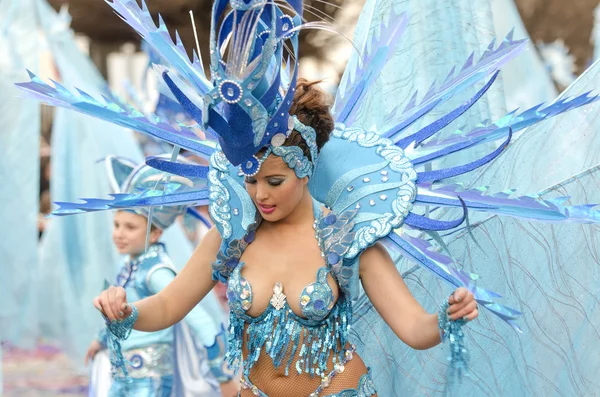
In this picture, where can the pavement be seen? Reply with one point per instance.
(43, 372)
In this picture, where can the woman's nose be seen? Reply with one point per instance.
(261, 192)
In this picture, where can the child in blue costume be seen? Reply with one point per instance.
(305, 199)
(152, 362)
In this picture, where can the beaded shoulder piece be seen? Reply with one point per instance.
(335, 234)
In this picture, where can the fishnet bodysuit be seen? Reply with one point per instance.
(273, 381)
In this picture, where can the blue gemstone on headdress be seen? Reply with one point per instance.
(230, 91)
(333, 258)
(250, 166)
(286, 24)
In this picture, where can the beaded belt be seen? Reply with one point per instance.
(150, 361)
(338, 368)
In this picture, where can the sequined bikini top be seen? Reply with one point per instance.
(316, 300)
(312, 341)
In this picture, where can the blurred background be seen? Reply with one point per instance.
(53, 268)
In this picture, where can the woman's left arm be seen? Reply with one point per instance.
(396, 305)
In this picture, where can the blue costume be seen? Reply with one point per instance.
(152, 355)
(188, 356)
(384, 176)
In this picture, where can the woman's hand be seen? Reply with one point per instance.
(462, 305)
(230, 389)
(93, 349)
(112, 303)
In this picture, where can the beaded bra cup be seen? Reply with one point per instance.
(316, 299)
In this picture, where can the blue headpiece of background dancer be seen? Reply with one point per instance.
(127, 177)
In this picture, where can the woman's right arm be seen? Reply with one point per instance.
(171, 304)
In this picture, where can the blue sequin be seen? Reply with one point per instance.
(333, 258)
(330, 219)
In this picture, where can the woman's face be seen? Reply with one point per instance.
(129, 233)
(275, 190)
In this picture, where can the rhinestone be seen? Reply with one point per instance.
(278, 140)
(276, 125)
(285, 26)
(249, 164)
(313, 395)
(383, 197)
(215, 95)
(371, 203)
(358, 206)
(310, 289)
(255, 390)
(385, 179)
(350, 188)
(384, 172)
(349, 355)
(339, 368)
(248, 102)
(246, 304)
(367, 180)
(230, 91)
(236, 212)
(304, 300)
(325, 381)
(251, 85)
(244, 295)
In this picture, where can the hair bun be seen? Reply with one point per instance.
(312, 107)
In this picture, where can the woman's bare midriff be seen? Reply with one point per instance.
(274, 382)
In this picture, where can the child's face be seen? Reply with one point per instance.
(129, 233)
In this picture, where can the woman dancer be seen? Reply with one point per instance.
(371, 178)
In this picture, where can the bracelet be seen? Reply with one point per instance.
(120, 330)
(452, 332)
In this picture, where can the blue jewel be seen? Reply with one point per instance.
(231, 296)
(250, 166)
(136, 361)
(319, 304)
(250, 237)
(230, 91)
(333, 258)
(330, 219)
(232, 262)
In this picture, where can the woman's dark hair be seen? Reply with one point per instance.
(311, 105)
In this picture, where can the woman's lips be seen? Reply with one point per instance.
(266, 209)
